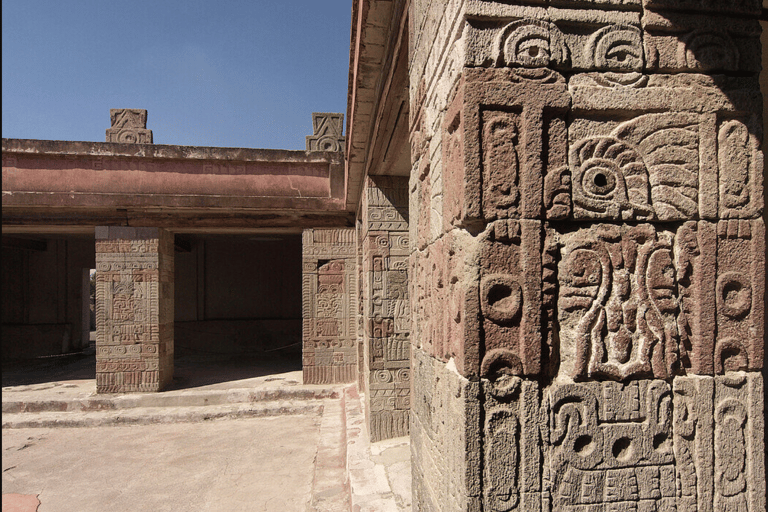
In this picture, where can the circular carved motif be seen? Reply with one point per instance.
(501, 298)
(734, 294)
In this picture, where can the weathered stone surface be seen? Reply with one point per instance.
(589, 247)
(329, 306)
(129, 125)
(327, 135)
(510, 298)
(134, 309)
(386, 312)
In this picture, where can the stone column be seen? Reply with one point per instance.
(329, 306)
(589, 256)
(134, 309)
(386, 306)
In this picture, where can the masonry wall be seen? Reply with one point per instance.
(589, 254)
(42, 305)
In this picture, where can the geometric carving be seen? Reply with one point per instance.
(129, 125)
(329, 306)
(134, 320)
(530, 43)
(386, 306)
(509, 296)
(327, 134)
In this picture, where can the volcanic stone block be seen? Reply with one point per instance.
(329, 306)
(617, 302)
(496, 129)
(129, 125)
(327, 135)
(510, 298)
(134, 309)
(610, 445)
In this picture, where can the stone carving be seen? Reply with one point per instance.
(386, 307)
(611, 445)
(646, 169)
(134, 309)
(617, 304)
(129, 125)
(530, 43)
(509, 295)
(596, 262)
(329, 306)
(327, 135)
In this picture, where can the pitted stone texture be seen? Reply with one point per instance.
(510, 299)
(445, 440)
(646, 300)
(129, 125)
(386, 306)
(134, 309)
(327, 135)
(447, 312)
(694, 42)
(329, 306)
(496, 129)
(695, 160)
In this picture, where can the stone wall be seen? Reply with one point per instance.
(329, 307)
(587, 196)
(386, 306)
(134, 309)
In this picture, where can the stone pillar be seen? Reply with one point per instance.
(329, 306)
(134, 309)
(386, 306)
(589, 256)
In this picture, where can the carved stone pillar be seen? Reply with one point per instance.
(386, 306)
(329, 306)
(589, 256)
(134, 309)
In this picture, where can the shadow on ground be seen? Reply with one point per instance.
(191, 368)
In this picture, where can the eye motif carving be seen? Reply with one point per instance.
(616, 47)
(530, 43)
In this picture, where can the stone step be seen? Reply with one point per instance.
(202, 398)
(161, 414)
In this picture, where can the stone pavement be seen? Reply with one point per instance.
(263, 442)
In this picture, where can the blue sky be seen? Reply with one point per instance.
(229, 73)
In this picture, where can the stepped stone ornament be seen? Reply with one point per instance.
(129, 125)
(328, 130)
(589, 259)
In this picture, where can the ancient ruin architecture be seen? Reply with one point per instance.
(537, 245)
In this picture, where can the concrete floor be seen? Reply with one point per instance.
(255, 464)
(275, 445)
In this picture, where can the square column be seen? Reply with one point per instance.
(588, 256)
(386, 307)
(329, 306)
(134, 309)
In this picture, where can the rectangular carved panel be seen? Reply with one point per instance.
(134, 309)
(329, 306)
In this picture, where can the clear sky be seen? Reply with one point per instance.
(229, 73)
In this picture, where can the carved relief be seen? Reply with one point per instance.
(611, 445)
(509, 295)
(530, 43)
(329, 305)
(647, 168)
(327, 135)
(129, 125)
(617, 303)
(134, 309)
